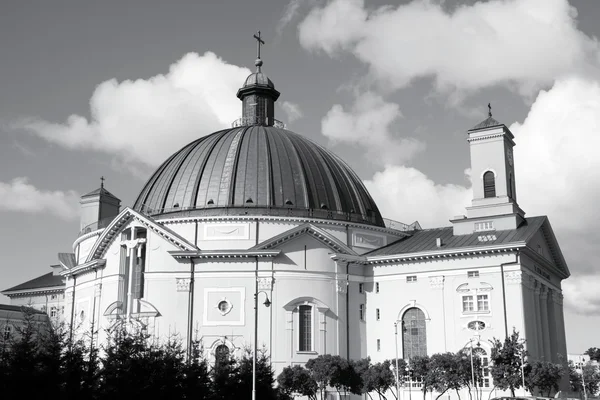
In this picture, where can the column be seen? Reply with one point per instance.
(436, 283)
(545, 324)
(534, 340)
(322, 332)
(538, 319)
(289, 328)
(552, 327)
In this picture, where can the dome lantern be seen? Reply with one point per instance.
(258, 96)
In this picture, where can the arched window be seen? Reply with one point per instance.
(305, 331)
(414, 336)
(485, 365)
(489, 184)
(221, 355)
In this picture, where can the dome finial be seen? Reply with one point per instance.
(490, 110)
(259, 41)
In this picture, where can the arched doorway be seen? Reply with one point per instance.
(221, 355)
(414, 335)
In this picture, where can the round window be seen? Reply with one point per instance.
(224, 307)
(476, 325)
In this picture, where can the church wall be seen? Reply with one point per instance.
(84, 247)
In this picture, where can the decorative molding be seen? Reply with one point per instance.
(368, 240)
(183, 284)
(265, 283)
(342, 286)
(436, 282)
(513, 277)
(227, 231)
(557, 297)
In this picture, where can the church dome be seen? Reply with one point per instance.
(257, 170)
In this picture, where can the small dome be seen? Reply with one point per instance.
(258, 78)
(257, 170)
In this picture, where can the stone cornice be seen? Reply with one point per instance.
(84, 268)
(38, 291)
(216, 254)
(450, 253)
(299, 220)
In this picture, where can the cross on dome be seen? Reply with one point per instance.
(259, 41)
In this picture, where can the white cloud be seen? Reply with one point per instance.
(581, 294)
(368, 123)
(557, 173)
(406, 194)
(19, 195)
(292, 110)
(522, 43)
(146, 120)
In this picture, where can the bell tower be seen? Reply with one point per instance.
(98, 208)
(494, 205)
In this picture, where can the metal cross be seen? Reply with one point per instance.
(490, 110)
(259, 41)
(102, 182)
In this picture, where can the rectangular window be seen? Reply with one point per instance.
(305, 328)
(473, 274)
(377, 314)
(62, 310)
(484, 226)
(411, 278)
(53, 312)
(361, 312)
(467, 303)
(360, 288)
(53, 297)
(378, 344)
(483, 302)
(376, 287)
(7, 329)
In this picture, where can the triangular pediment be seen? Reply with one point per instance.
(544, 244)
(122, 220)
(310, 230)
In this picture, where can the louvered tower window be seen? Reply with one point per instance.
(489, 185)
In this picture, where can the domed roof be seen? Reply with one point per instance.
(258, 170)
(258, 78)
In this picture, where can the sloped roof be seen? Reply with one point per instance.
(487, 123)
(45, 281)
(425, 240)
(67, 260)
(100, 191)
(7, 307)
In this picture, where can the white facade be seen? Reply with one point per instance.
(334, 287)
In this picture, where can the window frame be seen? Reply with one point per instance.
(473, 274)
(312, 328)
(377, 314)
(376, 287)
(411, 278)
(489, 185)
(361, 288)
(361, 311)
(378, 344)
(474, 301)
(53, 312)
(7, 331)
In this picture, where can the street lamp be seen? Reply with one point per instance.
(267, 303)
(396, 342)
(582, 358)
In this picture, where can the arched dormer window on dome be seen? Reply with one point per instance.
(489, 185)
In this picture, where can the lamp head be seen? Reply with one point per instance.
(267, 302)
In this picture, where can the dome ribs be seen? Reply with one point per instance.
(258, 170)
(203, 193)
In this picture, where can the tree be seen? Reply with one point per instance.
(506, 362)
(378, 378)
(264, 376)
(419, 365)
(196, 381)
(297, 381)
(334, 371)
(447, 372)
(594, 353)
(544, 376)
(591, 375)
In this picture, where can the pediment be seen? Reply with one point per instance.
(545, 246)
(310, 230)
(122, 221)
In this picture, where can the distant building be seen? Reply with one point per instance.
(257, 210)
(13, 318)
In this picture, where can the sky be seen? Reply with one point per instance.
(112, 88)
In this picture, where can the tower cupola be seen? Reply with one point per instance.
(258, 96)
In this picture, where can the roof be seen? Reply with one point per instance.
(425, 240)
(7, 307)
(45, 281)
(100, 192)
(258, 170)
(258, 78)
(487, 123)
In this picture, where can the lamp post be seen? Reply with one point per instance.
(582, 358)
(396, 342)
(409, 373)
(267, 303)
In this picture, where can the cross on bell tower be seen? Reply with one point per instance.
(259, 41)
